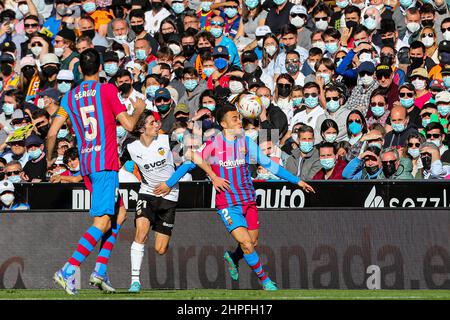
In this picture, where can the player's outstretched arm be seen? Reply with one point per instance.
(164, 188)
(57, 123)
(129, 122)
(255, 152)
(219, 183)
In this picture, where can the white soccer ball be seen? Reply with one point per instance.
(250, 106)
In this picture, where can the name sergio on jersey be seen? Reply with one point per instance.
(84, 94)
(232, 163)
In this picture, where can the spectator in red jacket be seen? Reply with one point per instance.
(332, 166)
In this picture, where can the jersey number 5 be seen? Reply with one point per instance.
(89, 121)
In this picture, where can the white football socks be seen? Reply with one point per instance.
(137, 253)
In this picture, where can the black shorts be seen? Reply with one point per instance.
(159, 211)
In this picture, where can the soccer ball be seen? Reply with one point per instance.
(250, 106)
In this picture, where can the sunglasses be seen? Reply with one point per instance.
(379, 104)
(431, 35)
(63, 81)
(307, 95)
(425, 155)
(380, 76)
(323, 19)
(416, 78)
(331, 98)
(406, 94)
(36, 44)
(367, 158)
(293, 15)
(284, 85)
(292, 60)
(366, 73)
(355, 120)
(31, 25)
(433, 135)
(17, 172)
(445, 29)
(215, 23)
(410, 145)
(389, 162)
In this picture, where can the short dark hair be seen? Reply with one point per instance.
(191, 71)
(434, 125)
(89, 62)
(311, 85)
(352, 9)
(223, 110)
(70, 154)
(326, 144)
(305, 128)
(416, 45)
(288, 29)
(123, 73)
(137, 13)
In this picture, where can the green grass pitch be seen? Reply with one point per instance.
(208, 294)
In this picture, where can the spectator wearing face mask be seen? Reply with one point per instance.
(50, 66)
(394, 167)
(401, 128)
(366, 166)
(360, 97)
(411, 31)
(332, 166)
(345, 68)
(36, 168)
(49, 100)
(231, 15)
(412, 151)
(10, 78)
(279, 15)
(433, 168)
(434, 133)
(124, 83)
(10, 199)
(419, 79)
(272, 117)
(166, 109)
(304, 161)
(418, 58)
(193, 89)
(444, 59)
(86, 25)
(72, 162)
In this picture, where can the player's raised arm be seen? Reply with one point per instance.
(129, 122)
(57, 123)
(256, 153)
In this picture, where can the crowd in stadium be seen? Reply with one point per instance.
(350, 89)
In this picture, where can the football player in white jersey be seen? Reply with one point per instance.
(153, 156)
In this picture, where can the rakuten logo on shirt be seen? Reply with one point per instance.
(231, 163)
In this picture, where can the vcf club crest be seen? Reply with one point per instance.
(161, 151)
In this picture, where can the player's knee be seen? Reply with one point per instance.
(255, 243)
(161, 250)
(247, 246)
(140, 238)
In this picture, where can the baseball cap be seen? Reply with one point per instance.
(299, 9)
(6, 185)
(49, 58)
(444, 46)
(421, 72)
(27, 61)
(6, 57)
(162, 93)
(65, 75)
(33, 140)
(249, 56)
(443, 96)
(67, 34)
(17, 114)
(261, 31)
(437, 84)
(407, 85)
(253, 81)
(383, 69)
(181, 107)
(50, 92)
(366, 66)
(221, 51)
(7, 46)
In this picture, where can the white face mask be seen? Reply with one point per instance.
(428, 41)
(419, 84)
(236, 87)
(7, 199)
(175, 49)
(446, 35)
(121, 54)
(260, 43)
(298, 22)
(365, 57)
(319, 44)
(265, 101)
(36, 50)
(322, 25)
(41, 103)
(24, 9)
(59, 52)
(367, 80)
(413, 26)
(270, 50)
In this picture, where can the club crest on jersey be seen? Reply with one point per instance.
(161, 151)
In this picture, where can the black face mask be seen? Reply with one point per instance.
(89, 33)
(188, 50)
(386, 60)
(290, 48)
(204, 50)
(428, 23)
(28, 72)
(157, 5)
(178, 72)
(351, 24)
(43, 131)
(388, 42)
(416, 62)
(138, 28)
(444, 58)
(50, 71)
(389, 169)
(2, 176)
(284, 90)
(125, 88)
(166, 36)
(191, 30)
(6, 69)
(372, 170)
(426, 162)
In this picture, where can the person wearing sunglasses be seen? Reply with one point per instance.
(378, 108)
(411, 150)
(407, 98)
(434, 133)
(31, 26)
(298, 16)
(360, 97)
(387, 86)
(321, 16)
(428, 38)
(365, 166)
(13, 171)
(394, 167)
(433, 167)
(419, 79)
(217, 30)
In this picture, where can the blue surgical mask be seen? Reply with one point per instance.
(377, 111)
(8, 109)
(330, 137)
(443, 110)
(208, 71)
(311, 102)
(179, 137)
(375, 144)
(306, 146)
(191, 84)
(230, 12)
(140, 54)
(216, 32)
(297, 102)
(370, 23)
(425, 122)
(398, 127)
(89, 7)
(328, 163)
(34, 154)
(62, 133)
(251, 4)
(331, 47)
(325, 76)
(342, 4)
(111, 68)
(415, 153)
(446, 81)
(332, 105)
(406, 102)
(120, 132)
(15, 179)
(63, 87)
(178, 7)
(206, 6)
(279, 2)
(355, 128)
(151, 90)
(406, 3)
(220, 63)
(211, 106)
